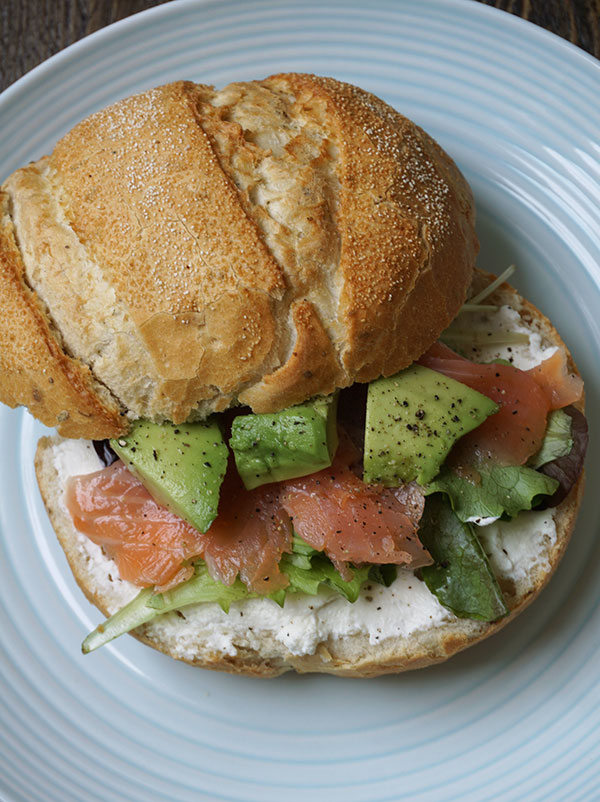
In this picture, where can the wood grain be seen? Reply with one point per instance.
(33, 30)
(575, 20)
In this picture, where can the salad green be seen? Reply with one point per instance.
(558, 440)
(499, 491)
(461, 577)
(306, 568)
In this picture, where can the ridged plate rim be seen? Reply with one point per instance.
(516, 718)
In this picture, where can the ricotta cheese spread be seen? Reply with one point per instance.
(493, 325)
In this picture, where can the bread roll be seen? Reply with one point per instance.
(188, 249)
(407, 627)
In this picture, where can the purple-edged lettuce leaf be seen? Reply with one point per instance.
(566, 469)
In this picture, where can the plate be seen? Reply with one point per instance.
(516, 718)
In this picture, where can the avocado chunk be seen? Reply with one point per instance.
(182, 466)
(413, 420)
(297, 441)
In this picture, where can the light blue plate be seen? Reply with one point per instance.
(516, 718)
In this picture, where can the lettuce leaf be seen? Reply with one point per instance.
(498, 491)
(306, 568)
(566, 469)
(461, 577)
(321, 572)
(200, 588)
(558, 441)
(148, 605)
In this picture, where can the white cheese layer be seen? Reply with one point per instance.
(477, 519)
(519, 548)
(493, 326)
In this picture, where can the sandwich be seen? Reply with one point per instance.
(296, 427)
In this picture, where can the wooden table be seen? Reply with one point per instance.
(33, 30)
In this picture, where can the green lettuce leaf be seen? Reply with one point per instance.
(499, 491)
(200, 588)
(133, 615)
(148, 605)
(300, 546)
(461, 577)
(558, 441)
(306, 568)
(321, 572)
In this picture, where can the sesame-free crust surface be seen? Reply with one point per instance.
(193, 248)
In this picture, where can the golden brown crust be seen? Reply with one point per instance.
(195, 247)
(405, 216)
(157, 212)
(311, 369)
(34, 368)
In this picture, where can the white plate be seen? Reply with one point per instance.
(516, 718)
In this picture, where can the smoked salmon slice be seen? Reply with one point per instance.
(514, 433)
(333, 510)
(152, 545)
(352, 522)
(249, 536)
(561, 387)
(149, 544)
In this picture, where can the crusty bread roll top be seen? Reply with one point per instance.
(187, 249)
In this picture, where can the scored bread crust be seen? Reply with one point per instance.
(35, 369)
(187, 249)
(353, 655)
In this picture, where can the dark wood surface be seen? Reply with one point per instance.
(33, 30)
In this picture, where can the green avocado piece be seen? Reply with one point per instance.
(182, 466)
(413, 420)
(297, 441)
